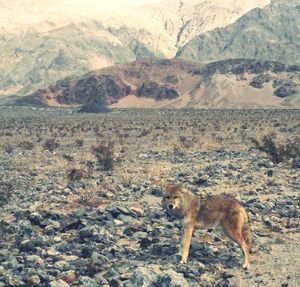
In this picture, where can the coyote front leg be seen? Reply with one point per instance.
(186, 241)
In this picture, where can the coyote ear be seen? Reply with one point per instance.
(181, 187)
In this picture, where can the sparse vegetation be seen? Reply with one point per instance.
(104, 153)
(51, 144)
(26, 145)
(76, 174)
(278, 151)
(86, 198)
(6, 191)
(79, 142)
(7, 147)
(68, 157)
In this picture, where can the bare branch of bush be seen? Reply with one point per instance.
(6, 191)
(51, 144)
(278, 152)
(77, 174)
(104, 153)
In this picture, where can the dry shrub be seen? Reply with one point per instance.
(68, 157)
(183, 144)
(6, 191)
(51, 144)
(79, 142)
(278, 152)
(77, 174)
(178, 149)
(26, 145)
(8, 148)
(104, 153)
(186, 142)
(86, 197)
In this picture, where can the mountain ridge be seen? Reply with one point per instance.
(177, 83)
(271, 33)
(49, 51)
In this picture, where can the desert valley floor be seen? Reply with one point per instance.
(78, 207)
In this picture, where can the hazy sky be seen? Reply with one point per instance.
(104, 3)
(18, 12)
(126, 2)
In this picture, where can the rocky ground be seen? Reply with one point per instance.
(78, 208)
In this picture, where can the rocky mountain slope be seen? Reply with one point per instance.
(177, 83)
(271, 33)
(43, 42)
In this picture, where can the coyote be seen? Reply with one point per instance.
(210, 212)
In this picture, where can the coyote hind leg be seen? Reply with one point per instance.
(234, 231)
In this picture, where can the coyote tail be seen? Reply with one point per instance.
(247, 234)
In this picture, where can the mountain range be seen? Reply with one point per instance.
(50, 49)
(45, 41)
(272, 33)
(178, 83)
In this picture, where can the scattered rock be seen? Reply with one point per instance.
(47, 239)
(145, 243)
(143, 277)
(68, 223)
(98, 261)
(34, 280)
(285, 90)
(68, 277)
(58, 283)
(296, 163)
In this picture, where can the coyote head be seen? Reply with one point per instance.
(173, 197)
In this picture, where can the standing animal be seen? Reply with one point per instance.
(210, 212)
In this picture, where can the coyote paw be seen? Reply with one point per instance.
(246, 266)
(183, 261)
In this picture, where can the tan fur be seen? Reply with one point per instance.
(210, 212)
